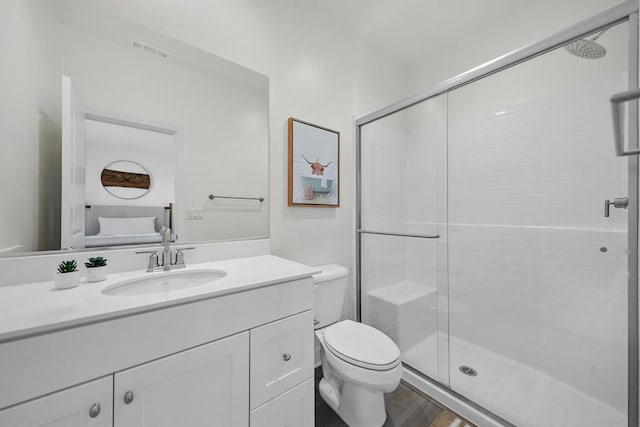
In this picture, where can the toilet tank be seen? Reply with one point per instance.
(328, 292)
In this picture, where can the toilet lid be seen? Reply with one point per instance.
(362, 345)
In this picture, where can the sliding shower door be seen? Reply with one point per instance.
(537, 273)
(403, 233)
(484, 248)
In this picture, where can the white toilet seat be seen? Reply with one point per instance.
(384, 381)
(362, 345)
(378, 371)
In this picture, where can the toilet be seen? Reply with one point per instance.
(359, 362)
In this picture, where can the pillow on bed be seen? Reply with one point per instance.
(136, 225)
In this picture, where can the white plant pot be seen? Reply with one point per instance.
(67, 280)
(96, 274)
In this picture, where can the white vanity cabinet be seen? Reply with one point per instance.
(241, 359)
(207, 385)
(85, 405)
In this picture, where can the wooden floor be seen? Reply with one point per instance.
(405, 408)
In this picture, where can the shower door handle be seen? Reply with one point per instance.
(617, 108)
(620, 202)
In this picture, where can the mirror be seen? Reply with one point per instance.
(109, 131)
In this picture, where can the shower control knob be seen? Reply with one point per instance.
(620, 202)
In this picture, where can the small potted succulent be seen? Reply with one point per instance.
(67, 276)
(96, 269)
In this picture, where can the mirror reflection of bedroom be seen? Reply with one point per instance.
(135, 132)
(119, 175)
(128, 201)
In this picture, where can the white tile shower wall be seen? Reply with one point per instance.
(384, 264)
(423, 123)
(405, 309)
(547, 298)
(384, 175)
(526, 188)
(423, 170)
(399, 194)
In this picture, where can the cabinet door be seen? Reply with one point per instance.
(291, 409)
(281, 356)
(204, 386)
(86, 405)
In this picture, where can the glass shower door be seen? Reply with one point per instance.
(403, 233)
(537, 274)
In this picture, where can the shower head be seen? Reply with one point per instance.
(587, 48)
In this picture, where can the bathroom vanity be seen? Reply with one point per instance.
(234, 352)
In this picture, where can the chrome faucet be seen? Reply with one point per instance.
(165, 234)
(167, 262)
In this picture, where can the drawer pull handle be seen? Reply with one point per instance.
(286, 357)
(94, 411)
(128, 397)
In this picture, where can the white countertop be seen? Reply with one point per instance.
(37, 308)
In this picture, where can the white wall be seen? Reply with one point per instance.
(29, 127)
(317, 73)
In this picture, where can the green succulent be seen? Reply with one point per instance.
(68, 267)
(96, 262)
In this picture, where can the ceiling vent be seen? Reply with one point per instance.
(149, 49)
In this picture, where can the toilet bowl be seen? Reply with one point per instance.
(359, 362)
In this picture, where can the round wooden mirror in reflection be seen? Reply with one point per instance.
(125, 179)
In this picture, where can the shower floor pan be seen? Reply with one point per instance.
(522, 395)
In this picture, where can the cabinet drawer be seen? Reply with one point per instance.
(281, 356)
(291, 409)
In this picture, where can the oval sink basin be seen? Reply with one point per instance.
(159, 283)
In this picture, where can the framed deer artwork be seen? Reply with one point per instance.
(314, 165)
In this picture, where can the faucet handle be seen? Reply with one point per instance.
(179, 261)
(153, 259)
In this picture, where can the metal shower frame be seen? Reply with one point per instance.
(627, 11)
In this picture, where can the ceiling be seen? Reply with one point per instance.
(404, 30)
(407, 31)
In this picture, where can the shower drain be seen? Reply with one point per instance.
(468, 370)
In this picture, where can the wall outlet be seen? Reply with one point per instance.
(194, 214)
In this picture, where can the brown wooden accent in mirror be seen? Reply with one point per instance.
(114, 178)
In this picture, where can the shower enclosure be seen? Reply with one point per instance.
(484, 251)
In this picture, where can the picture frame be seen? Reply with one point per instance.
(314, 165)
